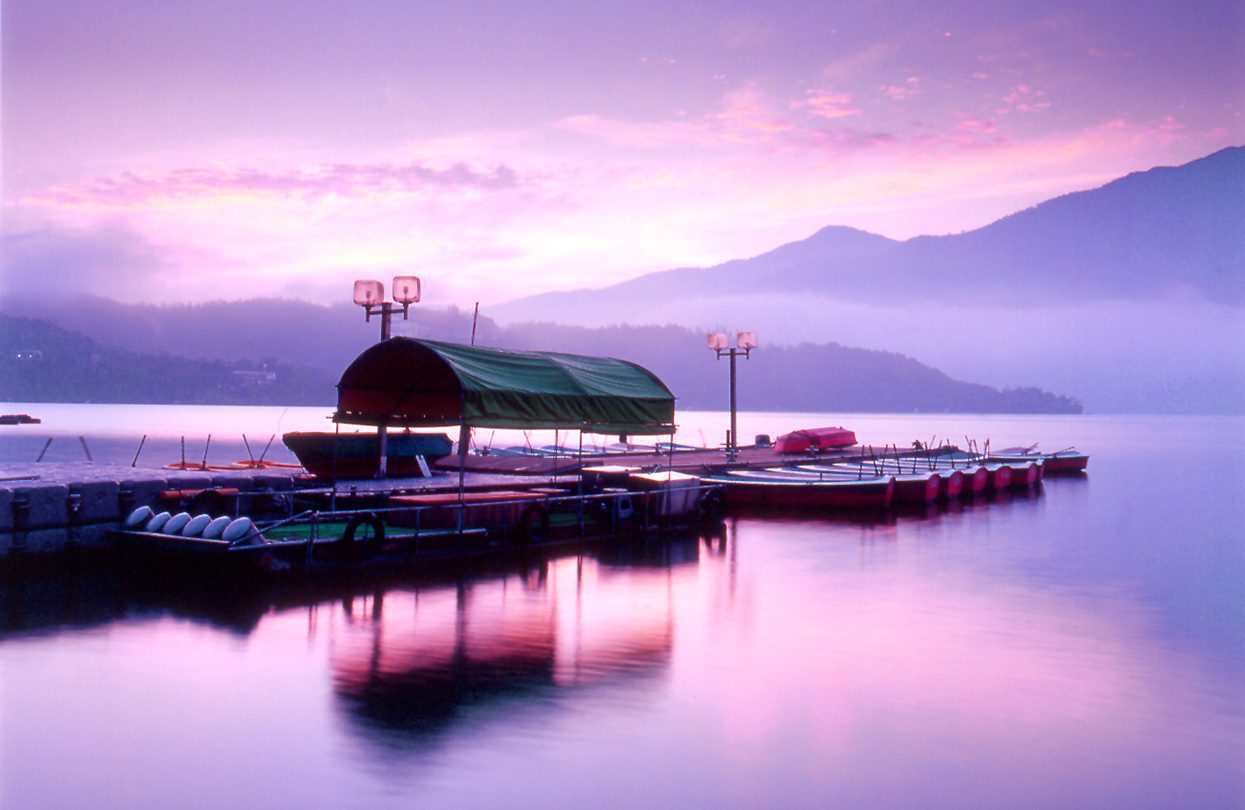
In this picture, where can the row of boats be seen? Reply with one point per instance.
(880, 482)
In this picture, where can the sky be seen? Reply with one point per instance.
(185, 151)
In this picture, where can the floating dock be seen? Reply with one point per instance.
(48, 507)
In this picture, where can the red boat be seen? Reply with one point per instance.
(1000, 477)
(917, 488)
(815, 440)
(761, 489)
(1057, 463)
(955, 483)
(1025, 474)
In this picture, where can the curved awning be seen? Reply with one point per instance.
(422, 383)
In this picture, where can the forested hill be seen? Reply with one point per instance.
(40, 362)
(44, 363)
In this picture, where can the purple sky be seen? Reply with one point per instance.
(173, 151)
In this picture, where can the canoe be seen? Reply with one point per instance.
(762, 489)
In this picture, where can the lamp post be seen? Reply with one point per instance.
(745, 342)
(370, 294)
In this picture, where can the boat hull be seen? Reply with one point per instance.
(1025, 475)
(912, 489)
(867, 494)
(356, 455)
(1052, 463)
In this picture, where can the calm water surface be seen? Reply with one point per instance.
(1081, 647)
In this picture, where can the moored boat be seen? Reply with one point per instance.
(1025, 474)
(914, 489)
(814, 440)
(953, 483)
(356, 455)
(775, 490)
(1060, 462)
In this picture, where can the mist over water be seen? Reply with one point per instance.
(1083, 646)
(1163, 356)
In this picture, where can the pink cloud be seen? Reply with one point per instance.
(342, 179)
(828, 104)
(1024, 98)
(1167, 129)
(976, 125)
(748, 111)
(910, 88)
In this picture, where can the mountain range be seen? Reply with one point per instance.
(1130, 296)
(306, 347)
(1127, 298)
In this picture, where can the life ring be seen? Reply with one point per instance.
(533, 524)
(371, 539)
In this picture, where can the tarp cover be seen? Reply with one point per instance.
(411, 383)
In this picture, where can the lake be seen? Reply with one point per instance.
(1083, 646)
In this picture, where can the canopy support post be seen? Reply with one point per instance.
(464, 438)
(382, 444)
(337, 433)
(580, 488)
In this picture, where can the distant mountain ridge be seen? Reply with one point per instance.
(1131, 296)
(1127, 298)
(1162, 231)
(41, 362)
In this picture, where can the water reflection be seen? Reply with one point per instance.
(1080, 648)
(409, 665)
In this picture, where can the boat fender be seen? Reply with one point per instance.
(212, 530)
(196, 525)
(176, 523)
(372, 537)
(138, 517)
(157, 522)
(533, 524)
(242, 532)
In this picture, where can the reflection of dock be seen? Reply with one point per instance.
(407, 665)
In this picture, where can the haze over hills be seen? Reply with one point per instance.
(1130, 296)
(296, 352)
(1127, 298)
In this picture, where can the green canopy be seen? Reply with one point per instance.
(406, 382)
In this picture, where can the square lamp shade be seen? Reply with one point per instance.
(406, 289)
(369, 293)
(717, 340)
(746, 340)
